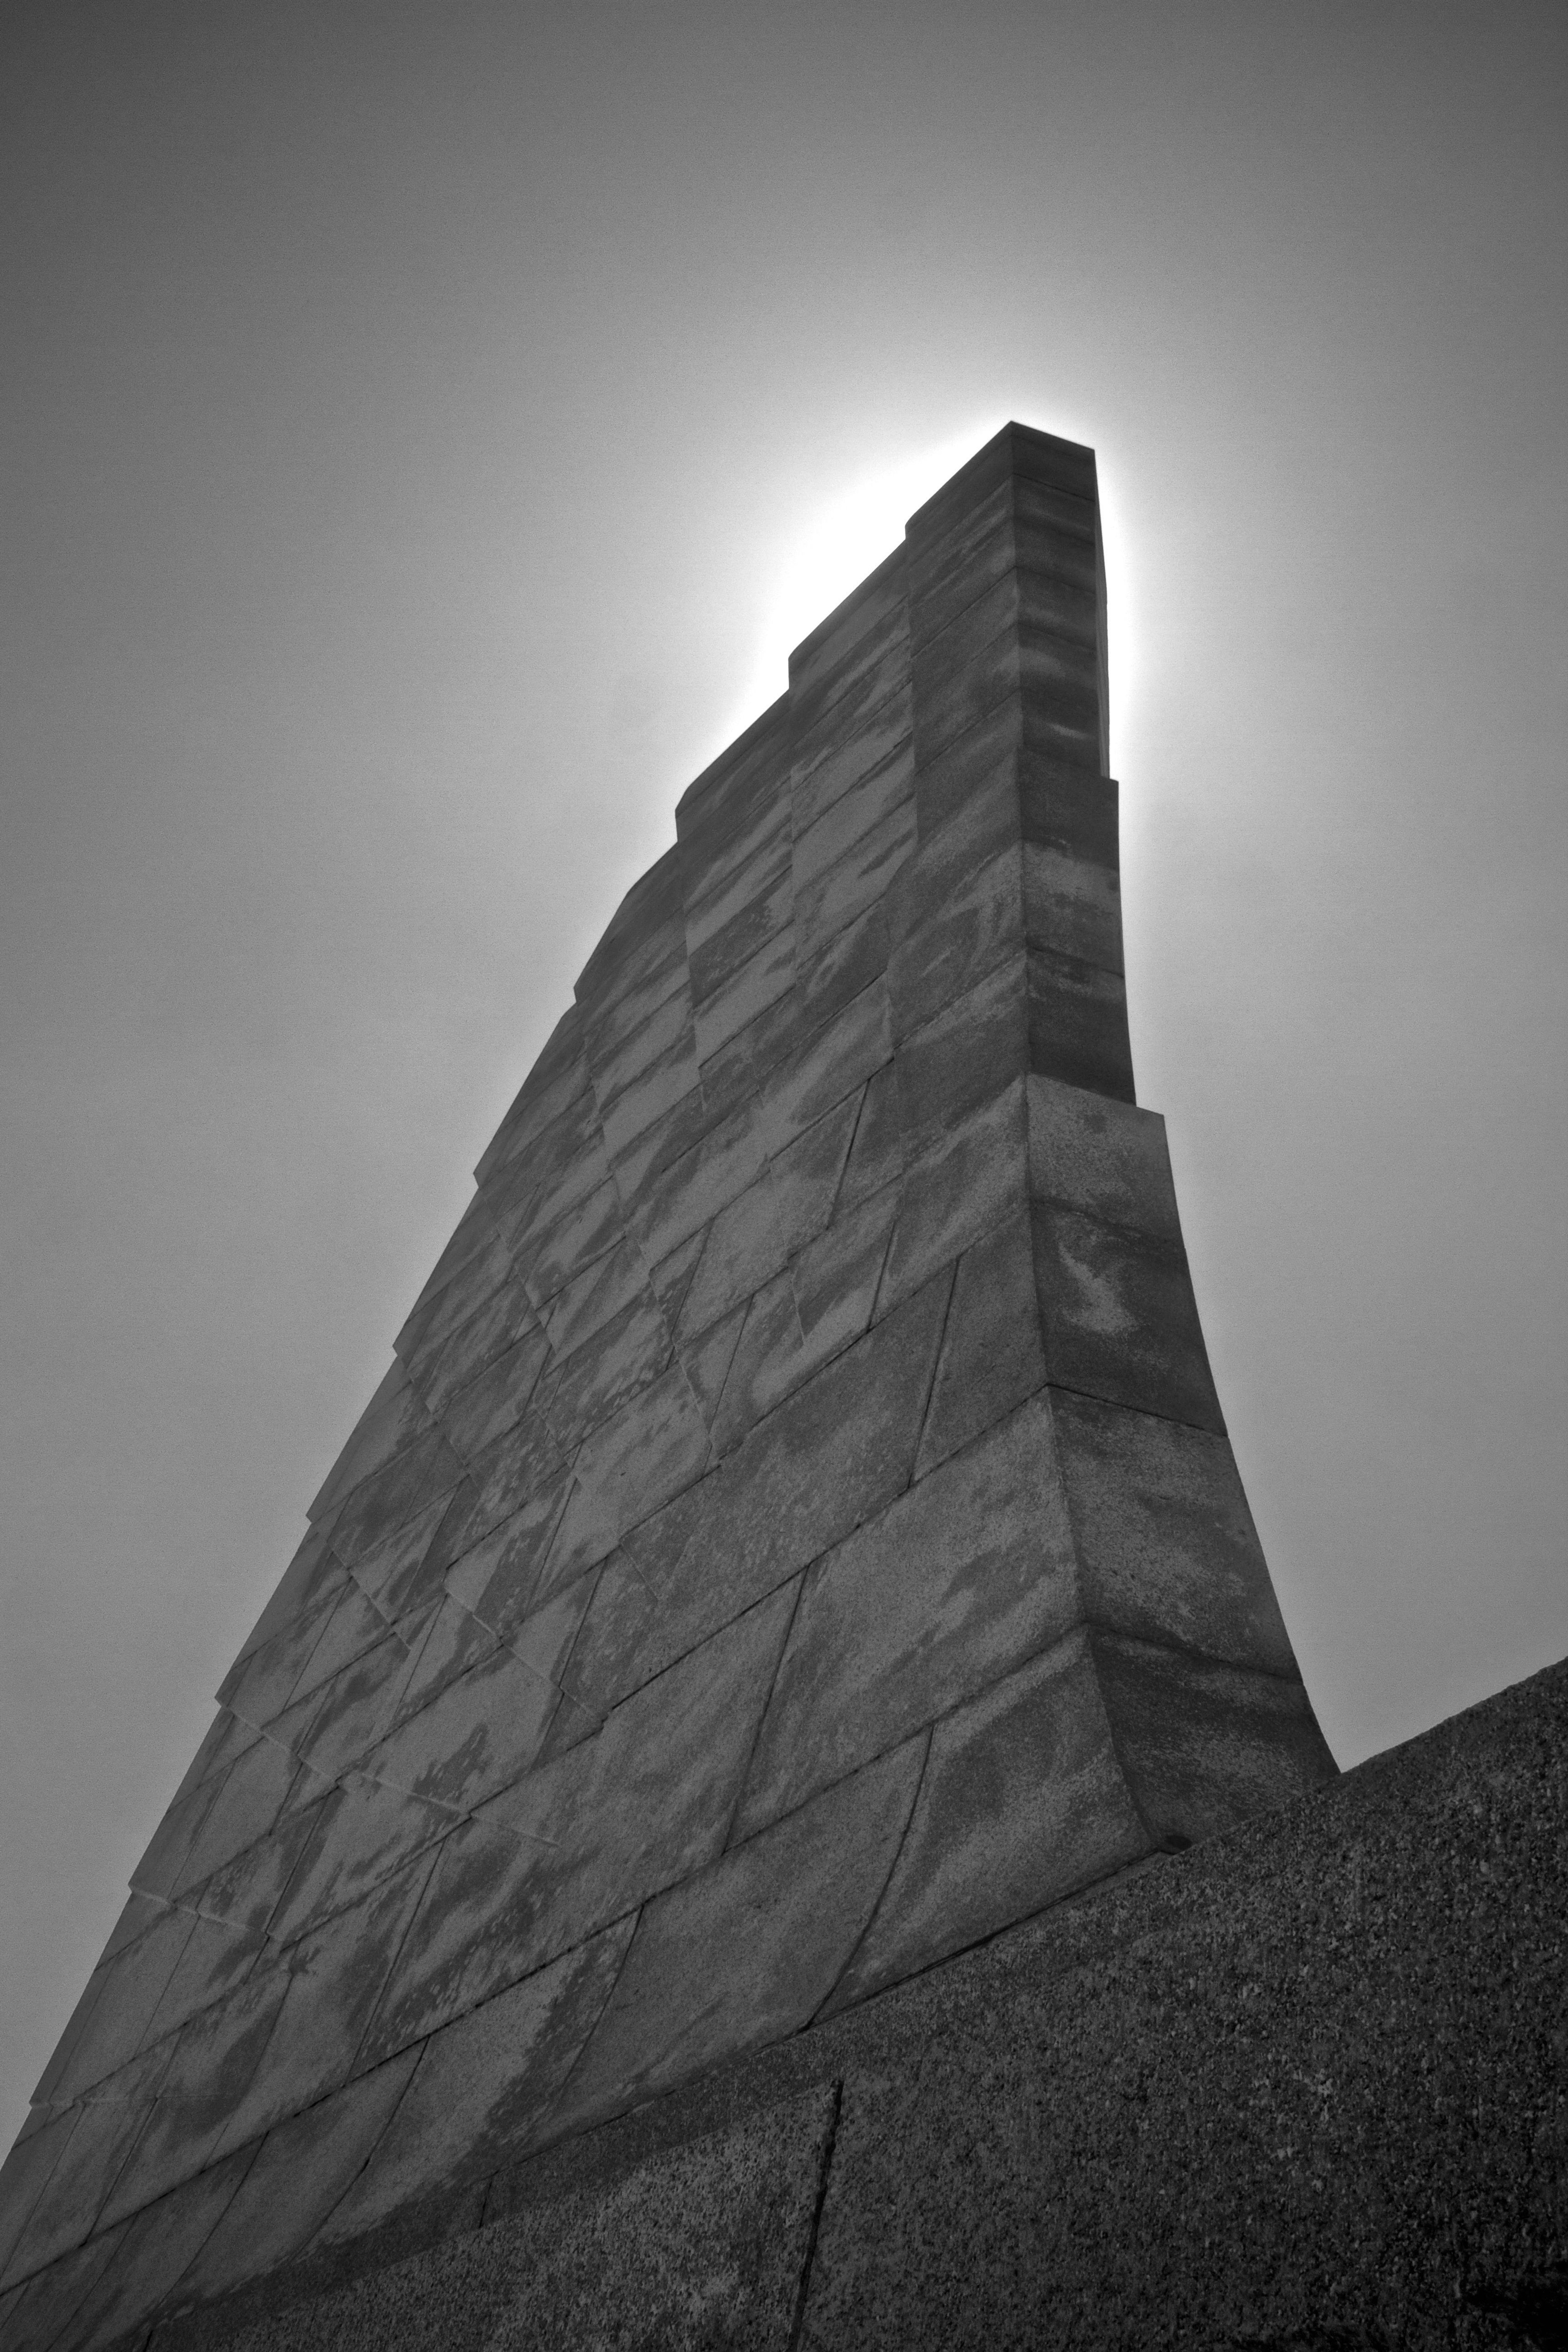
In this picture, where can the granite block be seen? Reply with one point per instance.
(958, 1580)
(763, 980)
(991, 1356)
(503, 1319)
(336, 1976)
(831, 900)
(550, 1255)
(440, 1313)
(477, 1735)
(769, 1360)
(246, 1892)
(744, 897)
(716, 816)
(1022, 1802)
(1014, 602)
(444, 1642)
(45, 2309)
(399, 1576)
(391, 1496)
(837, 969)
(579, 1392)
(391, 1420)
(839, 766)
(650, 1013)
(552, 1082)
(214, 2055)
(672, 1203)
(982, 764)
(133, 1986)
(25, 2175)
(354, 1627)
(99, 2135)
(746, 1246)
(1108, 1159)
(1167, 1549)
(953, 699)
(495, 1399)
(260, 1684)
(851, 797)
(483, 2083)
(743, 1065)
(746, 1951)
(218, 1955)
(877, 1150)
(1018, 453)
(540, 1636)
(301, 1587)
(244, 1809)
(826, 1067)
(225, 1736)
(838, 649)
(154, 2256)
(1077, 1025)
(141, 1913)
(495, 1578)
(590, 1835)
(964, 1186)
(1072, 907)
(878, 672)
(526, 1461)
(1203, 1745)
(654, 1089)
(363, 1833)
(1021, 528)
(671, 1276)
(721, 949)
(656, 1444)
(470, 1238)
(856, 1422)
(1063, 687)
(959, 928)
(357, 1707)
(635, 940)
(808, 1172)
(953, 567)
(962, 1058)
(707, 1361)
(170, 1842)
(1066, 805)
(608, 1281)
(835, 1278)
(1119, 1317)
(301, 2170)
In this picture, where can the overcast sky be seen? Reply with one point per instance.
(426, 427)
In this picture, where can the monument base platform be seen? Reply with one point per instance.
(1305, 2085)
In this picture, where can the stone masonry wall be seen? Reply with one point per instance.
(796, 1537)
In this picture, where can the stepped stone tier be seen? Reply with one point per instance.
(797, 1538)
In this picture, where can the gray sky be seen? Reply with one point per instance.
(426, 429)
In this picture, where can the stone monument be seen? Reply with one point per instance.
(797, 1538)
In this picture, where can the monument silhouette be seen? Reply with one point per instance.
(797, 1542)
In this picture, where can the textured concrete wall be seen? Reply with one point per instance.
(1302, 2089)
(798, 1535)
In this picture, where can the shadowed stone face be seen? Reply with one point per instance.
(796, 1537)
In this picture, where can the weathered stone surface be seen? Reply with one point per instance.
(969, 1572)
(747, 1951)
(297, 2177)
(796, 1536)
(484, 2084)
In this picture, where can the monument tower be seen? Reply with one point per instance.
(797, 1538)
